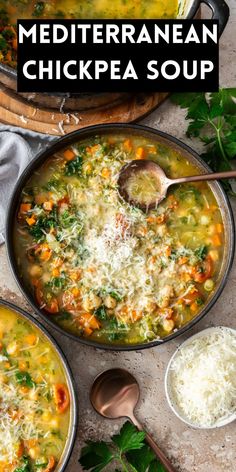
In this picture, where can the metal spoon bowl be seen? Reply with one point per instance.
(135, 167)
(115, 394)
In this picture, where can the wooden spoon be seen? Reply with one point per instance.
(115, 394)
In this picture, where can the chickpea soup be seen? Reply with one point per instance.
(108, 271)
(34, 398)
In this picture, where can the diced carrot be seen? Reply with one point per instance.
(48, 206)
(44, 252)
(55, 272)
(216, 240)
(25, 207)
(127, 145)
(194, 306)
(168, 251)
(95, 148)
(69, 155)
(31, 339)
(51, 464)
(88, 331)
(156, 219)
(135, 315)
(30, 443)
(61, 397)
(1, 345)
(14, 44)
(182, 260)
(106, 173)
(75, 291)
(24, 390)
(31, 221)
(7, 365)
(75, 275)
(20, 451)
(89, 320)
(140, 153)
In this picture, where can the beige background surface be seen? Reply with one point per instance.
(191, 450)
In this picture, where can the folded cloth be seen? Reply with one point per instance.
(17, 148)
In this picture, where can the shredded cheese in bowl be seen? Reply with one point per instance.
(201, 379)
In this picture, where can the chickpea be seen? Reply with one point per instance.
(110, 302)
(92, 302)
(35, 270)
(55, 423)
(33, 394)
(161, 230)
(34, 452)
(46, 416)
(12, 348)
(168, 325)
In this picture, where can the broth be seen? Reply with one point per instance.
(103, 269)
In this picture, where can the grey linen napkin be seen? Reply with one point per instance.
(17, 148)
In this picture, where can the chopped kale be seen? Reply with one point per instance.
(201, 252)
(74, 167)
(101, 313)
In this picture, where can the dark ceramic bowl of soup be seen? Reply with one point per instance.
(38, 415)
(102, 271)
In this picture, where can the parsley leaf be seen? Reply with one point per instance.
(95, 456)
(126, 449)
(213, 120)
(24, 378)
(128, 438)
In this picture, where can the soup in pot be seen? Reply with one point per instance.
(103, 269)
(34, 398)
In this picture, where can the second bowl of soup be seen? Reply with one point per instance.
(103, 271)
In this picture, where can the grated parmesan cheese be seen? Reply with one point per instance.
(203, 378)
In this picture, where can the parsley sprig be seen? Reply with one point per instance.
(213, 119)
(126, 451)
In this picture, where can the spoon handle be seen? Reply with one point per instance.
(161, 456)
(200, 178)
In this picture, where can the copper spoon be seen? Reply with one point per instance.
(163, 182)
(115, 394)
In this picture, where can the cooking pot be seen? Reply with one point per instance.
(154, 135)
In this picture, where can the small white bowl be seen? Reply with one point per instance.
(168, 388)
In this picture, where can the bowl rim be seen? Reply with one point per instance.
(80, 135)
(69, 445)
(167, 382)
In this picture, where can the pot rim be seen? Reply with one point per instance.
(69, 376)
(80, 135)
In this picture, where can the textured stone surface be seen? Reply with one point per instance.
(191, 450)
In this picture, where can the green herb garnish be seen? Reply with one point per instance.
(213, 120)
(74, 167)
(126, 449)
(201, 252)
(24, 378)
